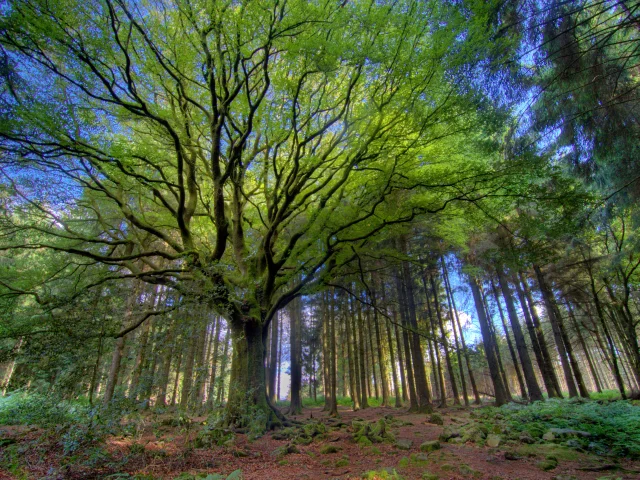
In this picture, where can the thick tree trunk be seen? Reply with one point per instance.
(535, 394)
(247, 386)
(489, 346)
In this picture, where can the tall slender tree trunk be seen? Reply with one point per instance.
(394, 373)
(490, 348)
(492, 331)
(423, 395)
(174, 394)
(165, 369)
(116, 358)
(295, 315)
(628, 327)
(548, 298)
(362, 378)
(187, 379)
(585, 350)
(114, 371)
(435, 354)
(353, 382)
(535, 394)
(214, 361)
(413, 400)
(273, 358)
(333, 407)
(553, 388)
(514, 358)
(225, 359)
(381, 363)
(401, 361)
(370, 331)
(445, 342)
(472, 380)
(279, 369)
(455, 333)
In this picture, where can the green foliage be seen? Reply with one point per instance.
(382, 475)
(35, 409)
(613, 425)
(605, 395)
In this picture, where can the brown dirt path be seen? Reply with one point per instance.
(162, 455)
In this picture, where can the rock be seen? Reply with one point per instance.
(404, 443)
(285, 450)
(430, 446)
(420, 457)
(474, 433)
(326, 449)
(493, 459)
(448, 433)
(526, 438)
(436, 419)
(509, 455)
(493, 440)
(568, 432)
(548, 436)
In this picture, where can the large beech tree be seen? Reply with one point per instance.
(238, 152)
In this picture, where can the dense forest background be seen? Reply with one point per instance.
(244, 207)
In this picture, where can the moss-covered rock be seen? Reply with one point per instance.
(430, 446)
(327, 449)
(436, 419)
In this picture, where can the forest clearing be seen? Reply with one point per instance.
(319, 239)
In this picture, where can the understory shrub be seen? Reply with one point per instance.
(613, 426)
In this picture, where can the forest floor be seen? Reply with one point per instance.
(162, 449)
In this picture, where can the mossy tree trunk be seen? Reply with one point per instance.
(248, 401)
